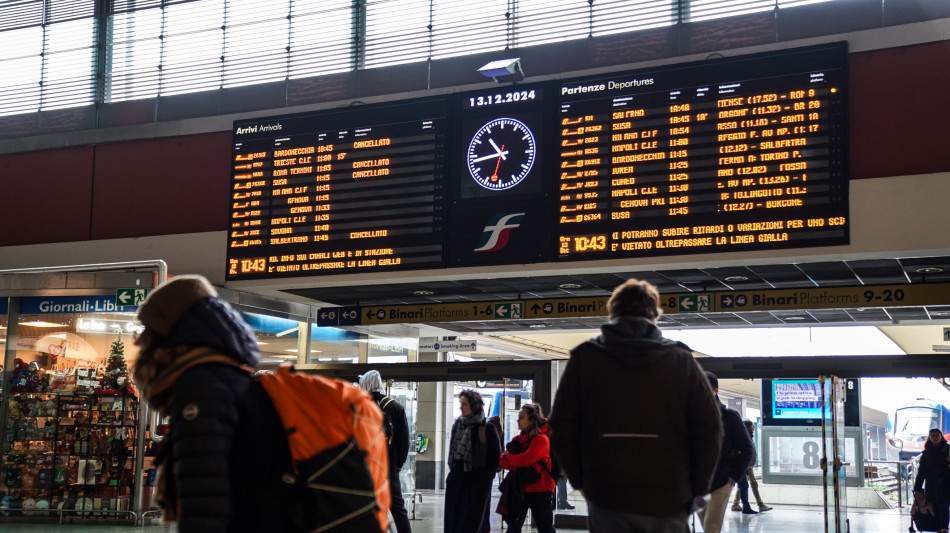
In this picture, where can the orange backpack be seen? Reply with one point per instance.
(338, 448)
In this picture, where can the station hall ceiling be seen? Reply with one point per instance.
(828, 274)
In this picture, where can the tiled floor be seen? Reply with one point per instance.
(782, 519)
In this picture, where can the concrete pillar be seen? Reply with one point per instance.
(433, 419)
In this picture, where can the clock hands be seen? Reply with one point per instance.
(501, 155)
(500, 151)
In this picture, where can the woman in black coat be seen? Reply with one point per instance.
(933, 474)
(473, 462)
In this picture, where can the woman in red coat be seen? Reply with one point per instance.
(532, 450)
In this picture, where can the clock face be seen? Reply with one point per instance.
(501, 154)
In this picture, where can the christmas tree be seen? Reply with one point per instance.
(117, 373)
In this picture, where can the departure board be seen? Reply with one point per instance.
(342, 191)
(733, 154)
(729, 154)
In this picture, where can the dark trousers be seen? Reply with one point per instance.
(540, 505)
(398, 506)
(562, 490)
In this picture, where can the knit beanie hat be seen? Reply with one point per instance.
(168, 303)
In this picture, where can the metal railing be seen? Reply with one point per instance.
(903, 472)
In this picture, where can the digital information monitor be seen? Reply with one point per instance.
(354, 190)
(731, 154)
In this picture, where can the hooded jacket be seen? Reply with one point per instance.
(738, 450)
(635, 424)
(537, 450)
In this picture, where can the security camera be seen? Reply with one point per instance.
(503, 70)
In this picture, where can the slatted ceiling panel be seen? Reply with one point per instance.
(65, 10)
(397, 32)
(795, 3)
(462, 27)
(133, 54)
(69, 64)
(781, 276)
(760, 318)
(15, 14)
(22, 69)
(617, 16)
(868, 314)
(192, 47)
(908, 313)
(126, 6)
(256, 41)
(321, 37)
(828, 316)
(698, 10)
(536, 22)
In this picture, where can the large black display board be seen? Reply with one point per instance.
(728, 154)
(359, 189)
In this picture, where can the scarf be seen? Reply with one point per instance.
(462, 439)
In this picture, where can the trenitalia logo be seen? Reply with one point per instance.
(496, 232)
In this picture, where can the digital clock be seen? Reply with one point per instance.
(509, 97)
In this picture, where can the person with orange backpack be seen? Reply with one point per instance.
(221, 463)
(281, 451)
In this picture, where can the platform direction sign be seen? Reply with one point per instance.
(338, 316)
(833, 297)
(415, 314)
(566, 307)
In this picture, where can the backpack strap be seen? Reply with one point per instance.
(384, 401)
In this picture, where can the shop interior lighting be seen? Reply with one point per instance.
(41, 324)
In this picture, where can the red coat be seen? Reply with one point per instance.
(537, 449)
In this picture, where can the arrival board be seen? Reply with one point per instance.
(357, 190)
(733, 154)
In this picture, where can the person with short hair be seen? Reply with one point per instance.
(931, 493)
(737, 453)
(474, 450)
(635, 425)
(398, 445)
(221, 462)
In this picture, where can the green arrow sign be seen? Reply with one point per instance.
(130, 296)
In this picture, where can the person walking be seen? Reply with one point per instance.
(396, 425)
(531, 450)
(737, 453)
(630, 394)
(221, 462)
(742, 492)
(931, 493)
(474, 451)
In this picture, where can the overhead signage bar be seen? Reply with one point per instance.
(863, 297)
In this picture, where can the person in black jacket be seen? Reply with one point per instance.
(372, 382)
(930, 488)
(635, 425)
(473, 461)
(221, 462)
(735, 456)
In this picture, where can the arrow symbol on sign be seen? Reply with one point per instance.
(501, 311)
(727, 301)
(369, 314)
(686, 304)
(946, 334)
(535, 308)
(124, 298)
(323, 314)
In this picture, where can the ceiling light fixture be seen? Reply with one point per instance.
(41, 324)
(941, 348)
(423, 293)
(736, 278)
(567, 286)
(929, 270)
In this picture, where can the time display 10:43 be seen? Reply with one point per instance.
(503, 98)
